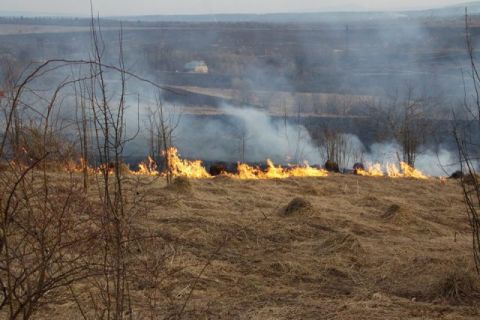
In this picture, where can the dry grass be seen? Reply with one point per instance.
(297, 205)
(180, 185)
(344, 247)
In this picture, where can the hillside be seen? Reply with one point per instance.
(348, 248)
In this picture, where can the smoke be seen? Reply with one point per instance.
(250, 135)
(245, 134)
(440, 162)
(309, 65)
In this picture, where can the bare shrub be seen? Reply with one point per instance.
(54, 236)
(340, 148)
(468, 150)
(162, 123)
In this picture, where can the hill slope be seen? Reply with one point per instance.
(347, 248)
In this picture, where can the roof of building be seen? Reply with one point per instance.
(195, 64)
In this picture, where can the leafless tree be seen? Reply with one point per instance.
(340, 148)
(466, 135)
(52, 234)
(406, 117)
(241, 136)
(43, 243)
(163, 121)
(83, 121)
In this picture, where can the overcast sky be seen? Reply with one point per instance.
(145, 7)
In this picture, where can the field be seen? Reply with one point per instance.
(84, 237)
(347, 248)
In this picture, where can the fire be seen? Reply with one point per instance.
(307, 171)
(411, 172)
(393, 171)
(246, 172)
(273, 172)
(79, 167)
(186, 168)
(372, 171)
(195, 169)
(147, 168)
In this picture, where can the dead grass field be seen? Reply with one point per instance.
(278, 102)
(348, 248)
(18, 29)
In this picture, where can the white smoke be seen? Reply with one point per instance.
(251, 135)
(432, 163)
(246, 134)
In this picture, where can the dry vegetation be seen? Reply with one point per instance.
(340, 247)
(109, 244)
(280, 102)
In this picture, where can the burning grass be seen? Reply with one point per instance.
(391, 170)
(194, 169)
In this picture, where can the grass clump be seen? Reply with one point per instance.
(296, 206)
(181, 185)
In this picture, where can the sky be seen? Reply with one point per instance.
(159, 7)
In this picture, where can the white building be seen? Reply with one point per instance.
(196, 67)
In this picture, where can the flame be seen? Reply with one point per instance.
(374, 170)
(105, 168)
(392, 171)
(79, 166)
(186, 168)
(411, 172)
(195, 169)
(307, 171)
(246, 172)
(274, 172)
(147, 168)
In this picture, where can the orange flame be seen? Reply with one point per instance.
(392, 171)
(79, 166)
(147, 168)
(246, 172)
(195, 169)
(186, 168)
(374, 170)
(307, 171)
(410, 172)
